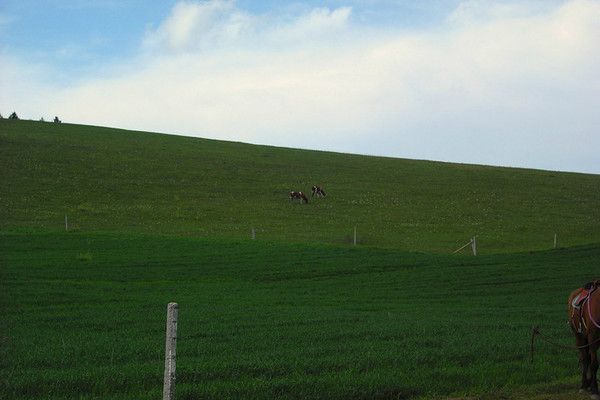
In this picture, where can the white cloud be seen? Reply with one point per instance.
(193, 25)
(203, 26)
(512, 85)
(473, 12)
(25, 88)
(319, 22)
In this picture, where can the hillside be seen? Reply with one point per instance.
(116, 180)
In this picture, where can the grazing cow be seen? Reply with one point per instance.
(317, 190)
(298, 195)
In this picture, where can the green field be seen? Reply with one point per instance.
(84, 317)
(298, 313)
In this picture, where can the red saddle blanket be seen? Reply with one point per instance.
(580, 298)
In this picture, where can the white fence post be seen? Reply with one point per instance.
(474, 245)
(170, 352)
(253, 234)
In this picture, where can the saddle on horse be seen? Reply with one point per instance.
(578, 302)
(584, 294)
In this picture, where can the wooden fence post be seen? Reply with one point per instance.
(555, 240)
(170, 352)
(474, 245)
(66, 223)
(253, 234)
(355, 235)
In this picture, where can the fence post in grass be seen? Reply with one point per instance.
(253, 234)
(170, 352)
(474, 245)
(555, 240)
(355, 235)
(66, 223)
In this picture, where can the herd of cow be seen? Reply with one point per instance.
(316, 191)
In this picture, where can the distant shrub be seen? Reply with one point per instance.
(13, 116)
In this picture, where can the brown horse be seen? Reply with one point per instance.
(584, 320)
(298, 195)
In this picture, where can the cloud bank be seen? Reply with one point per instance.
(514, 84)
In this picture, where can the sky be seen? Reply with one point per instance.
(509, 83)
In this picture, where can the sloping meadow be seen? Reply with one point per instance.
(89, 179)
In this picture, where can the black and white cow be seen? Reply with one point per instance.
(317, 190)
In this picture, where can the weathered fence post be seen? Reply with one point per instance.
(66, 223)
(355, 235)
(555, 240)
(170, 352)
(253, 234)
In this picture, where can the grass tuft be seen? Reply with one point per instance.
(87, 256)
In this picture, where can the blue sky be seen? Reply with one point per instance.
(70, 35)
(513, 83)
(73, 34)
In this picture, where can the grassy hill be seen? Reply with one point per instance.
(116, 180)
(297, 313)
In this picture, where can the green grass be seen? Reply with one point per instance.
(272, 320)
(297, 313)
(123, 181)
